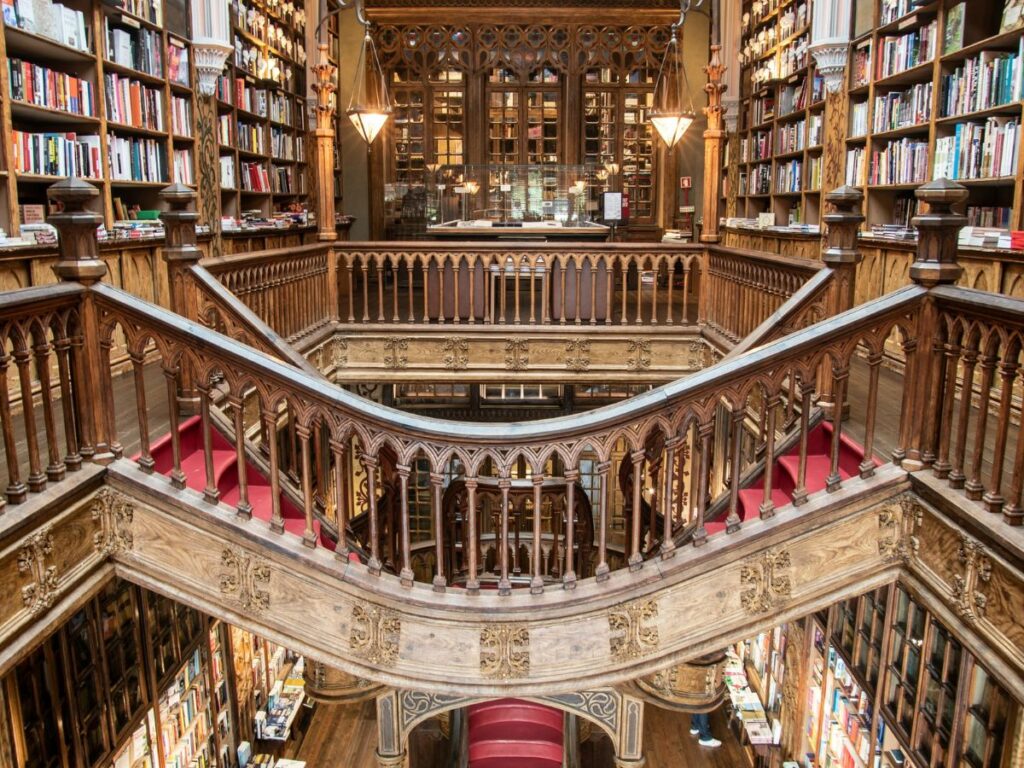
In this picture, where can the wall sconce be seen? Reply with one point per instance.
(211, 42)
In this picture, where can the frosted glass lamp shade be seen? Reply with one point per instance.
(671, 127)
(368, 122)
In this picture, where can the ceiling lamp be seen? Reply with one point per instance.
(370, 107)
(211, 29)
(673, 110)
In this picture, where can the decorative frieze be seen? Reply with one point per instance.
(243, 577)
(455, 353)
(968, 599)
(113, 513)
(505, 651)
(632, 635)
(577, 355)
(375, 634)
(768, 582)
(38, 595)
(517, 354)
(395, 348)
(639, 355)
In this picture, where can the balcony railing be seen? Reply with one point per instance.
(662, 462)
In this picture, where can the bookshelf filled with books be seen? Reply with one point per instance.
(934, 89)
(99, 90)
(261, 113)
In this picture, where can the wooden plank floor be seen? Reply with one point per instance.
(347, 736)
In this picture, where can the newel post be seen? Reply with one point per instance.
(714, 136)
(842, 256)
(80, 262)
(935, 264)
(324, 86)
(181, 253)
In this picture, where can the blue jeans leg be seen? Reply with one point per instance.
(702, 723)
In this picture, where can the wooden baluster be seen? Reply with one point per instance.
(210, 492)
(472, 580)
(370, 468)
(656, 272)
(906, 410)
(36, 477)
(456, 275)
(72, 459)
(800, 491)
(705, 430)
(42, 350)
(610, 280)
(533, 292)
(974, 486)
(269, 418)
(578, 298)
(569, 572)
(636, 560)
(364, 266)
(840, 377)
(593, 291)
(671, 267)
(440, 290)
(244, 508)
(394, 291)
(341, 512)
(405, 575)
(639, 291)
(489, 278)
(171, 380)
(537, 580)
(424, 276)
(436, 492)
(686, 293)
(562, 270)
(668, 544)
(145, 460)
(772, 404)
(732, 520)
(107, 393)
(958, 459)
(604, 475)
(545, 291)
(1013, 512)
(625, 283)
(378, 272)
(351, 296)
(516, 277)
(867, 466)
(503, 276)
(941, 466)
(16, 491)
(504, 585)
(471, 265)
(993, 498)
(309, 534)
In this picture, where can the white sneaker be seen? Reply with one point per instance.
(694, 731)
(710, 743)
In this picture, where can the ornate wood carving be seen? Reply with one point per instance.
(112, 511)
(376, 632)
(897, 529)
(208, 165)
(577, 354)
(517, 354)
(505, 651)
(632, 634)
(33, 561)
(968, 598)
(768, 582)
(455, 357)
(640, 355)
(243, 577)
(395, 348)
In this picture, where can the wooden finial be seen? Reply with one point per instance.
(79, 254)
(937, 233)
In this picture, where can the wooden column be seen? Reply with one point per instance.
(324, 85)
(79, 262)
(842, 256)
(181, 253)
(936, 264)
(208, 169)
(833, 155)
(714, 137)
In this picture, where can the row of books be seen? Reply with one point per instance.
(48, 19)
(282, 109)
(225, 130)
(789, 176)
(895, 9)
(990, 237)
(135, 48)
(791, 137)
(759, 180)
(814, 165)
(181, 160)
(762, 109)
(793, 56)
(136, 159)
(177, 62)
(987, 80)
(858, 119)
(757, 146)
(181, 116)
(897, 53)
(286, 180)
(50, 88)
(227, 172)
(129, 102)
(251, 138)
(989, 216)
(285, 146)
(255, 177)
(855, 166)
(900, 162)
(901, 109)
(56, 154)
(979, 151)
(249, 98)
(150, 10)
(793, 98)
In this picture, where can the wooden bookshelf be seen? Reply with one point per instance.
(91, 60)
(262, 98)
(895, 112)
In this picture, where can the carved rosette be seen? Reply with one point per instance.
(38, 595)
(517, 354)
(375, 634)
(968, 599)
(113, 513)
(632, 635)
(577, 355)
(242, 577)
(640, 355)
(505, 651)
(455, 353)
(767, 581)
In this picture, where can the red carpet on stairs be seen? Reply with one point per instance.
(512, 733)
(225, 471)
(786, 470)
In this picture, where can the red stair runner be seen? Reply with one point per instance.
(512, 733)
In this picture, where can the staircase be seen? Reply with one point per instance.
(512, 733)
(225, 472)
(786, 470)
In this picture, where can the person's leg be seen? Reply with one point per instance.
(700, 725)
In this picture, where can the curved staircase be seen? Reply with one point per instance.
(225, 472)
(512, 733)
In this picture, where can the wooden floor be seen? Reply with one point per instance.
(346, 736)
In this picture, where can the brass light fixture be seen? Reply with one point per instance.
(673, 110)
